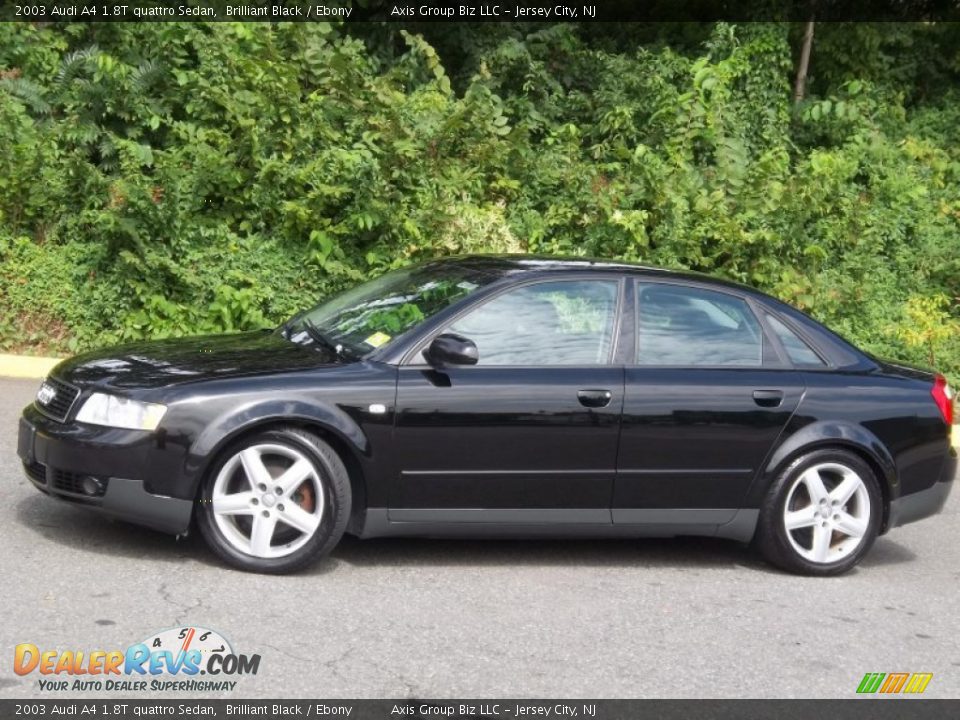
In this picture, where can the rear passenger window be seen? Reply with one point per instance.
(691, 326)
(798, 351)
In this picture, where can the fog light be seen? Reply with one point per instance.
(92, 486)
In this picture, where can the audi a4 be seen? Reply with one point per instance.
(504, 396)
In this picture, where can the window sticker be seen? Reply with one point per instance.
(377, 339)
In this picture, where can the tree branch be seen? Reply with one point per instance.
(800, 86)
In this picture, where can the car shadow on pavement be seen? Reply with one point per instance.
(887, 552)
(682, 552)
(87, 532)
(701, 553)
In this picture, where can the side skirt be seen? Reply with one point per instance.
(559, 524)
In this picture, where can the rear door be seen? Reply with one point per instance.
(529, 434)
(706, 397)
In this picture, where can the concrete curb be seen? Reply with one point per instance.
(26, 366)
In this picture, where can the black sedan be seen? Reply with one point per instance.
(504, 396)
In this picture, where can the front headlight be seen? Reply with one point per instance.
(113, 411)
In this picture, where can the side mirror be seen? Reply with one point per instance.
(452, 349)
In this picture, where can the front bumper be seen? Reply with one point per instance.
(99, 469)
(924, 503)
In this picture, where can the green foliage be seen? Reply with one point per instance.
(927, 325)
(164, 179)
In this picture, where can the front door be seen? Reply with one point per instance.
(527, 435)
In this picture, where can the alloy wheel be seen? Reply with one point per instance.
(268, 500)
(827, 512)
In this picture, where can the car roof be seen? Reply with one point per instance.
(503, 265)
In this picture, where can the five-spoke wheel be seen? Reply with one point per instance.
(821, 515)
(276, 501)
(268, 500)
(827, 512)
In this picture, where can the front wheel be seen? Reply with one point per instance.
(275, 502)
(821, 515)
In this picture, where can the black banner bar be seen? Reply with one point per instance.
(473, 11)
(854, 709)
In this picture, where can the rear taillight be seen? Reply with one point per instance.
(943, 397)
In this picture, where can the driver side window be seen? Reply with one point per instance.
(550, 323)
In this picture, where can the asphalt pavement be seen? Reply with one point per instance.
(683, 618)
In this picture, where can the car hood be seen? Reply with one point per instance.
(158, 363)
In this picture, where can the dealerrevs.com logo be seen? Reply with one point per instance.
(171, 660)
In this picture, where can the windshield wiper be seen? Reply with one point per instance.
(317, 335)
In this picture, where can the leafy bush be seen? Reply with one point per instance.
(165, 179)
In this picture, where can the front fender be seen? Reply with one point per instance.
(825, 433)
(236, 421)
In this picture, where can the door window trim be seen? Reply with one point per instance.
(412, 358)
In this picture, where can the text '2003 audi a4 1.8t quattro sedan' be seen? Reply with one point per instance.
(504, 396)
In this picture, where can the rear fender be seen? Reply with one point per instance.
(826, 433)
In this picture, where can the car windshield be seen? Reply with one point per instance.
(362, 319)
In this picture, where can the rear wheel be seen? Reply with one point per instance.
(821, 515)
(275, 502)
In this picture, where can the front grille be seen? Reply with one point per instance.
(64, 481)
(58, 407)
(36, 472)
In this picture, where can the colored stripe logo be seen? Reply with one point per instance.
(894, 683)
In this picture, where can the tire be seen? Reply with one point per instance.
(275, 502)
(823, 539)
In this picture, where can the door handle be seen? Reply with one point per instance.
(594, 398)
(768, 398)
